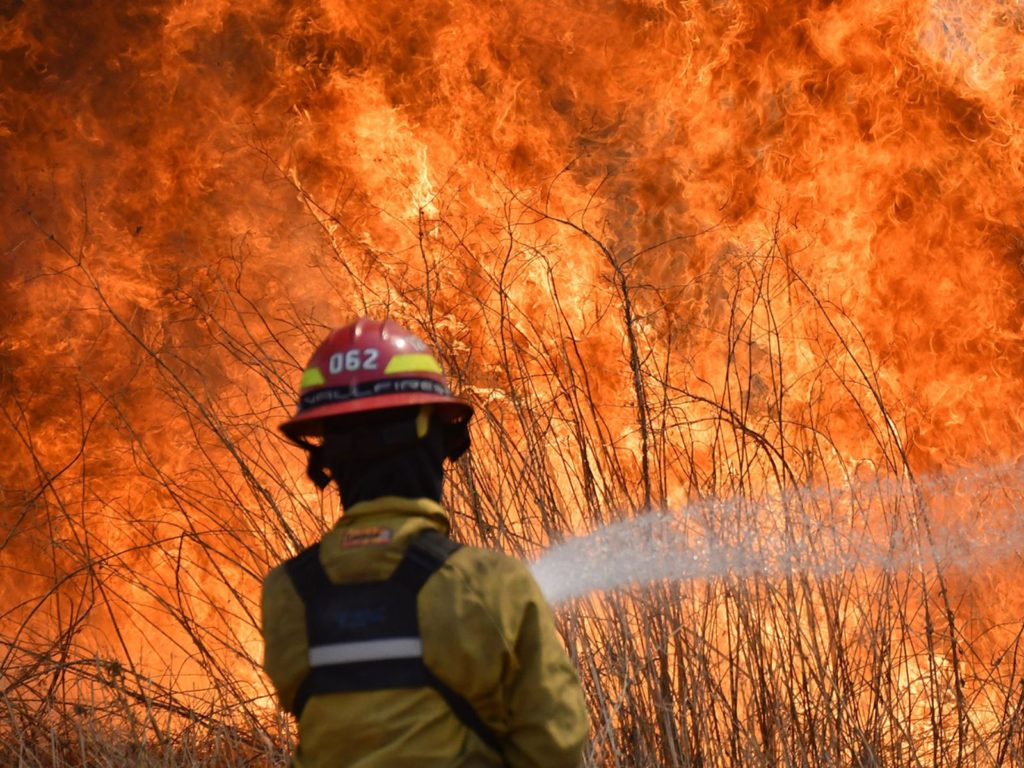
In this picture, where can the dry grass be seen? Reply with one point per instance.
(140, 536)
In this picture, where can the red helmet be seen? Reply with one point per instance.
(370, 365)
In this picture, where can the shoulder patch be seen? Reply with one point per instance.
(364, 537)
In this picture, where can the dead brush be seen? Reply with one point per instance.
(135, 639)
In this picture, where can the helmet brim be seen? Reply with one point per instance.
(311, 423)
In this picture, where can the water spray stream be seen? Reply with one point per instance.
(817, 532)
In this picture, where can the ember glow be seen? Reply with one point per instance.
(673, 252)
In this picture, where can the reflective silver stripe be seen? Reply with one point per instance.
(370, 650)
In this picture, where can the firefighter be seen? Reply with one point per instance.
(391, 644)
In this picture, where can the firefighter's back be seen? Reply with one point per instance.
(499, 674)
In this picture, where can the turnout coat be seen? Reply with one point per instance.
(487, 638)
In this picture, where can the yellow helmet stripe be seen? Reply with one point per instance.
(413, 362)
(312, 377)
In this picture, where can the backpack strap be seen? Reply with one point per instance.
(306, 573)
(426, 553)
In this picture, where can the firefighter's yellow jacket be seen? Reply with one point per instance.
(487, 633)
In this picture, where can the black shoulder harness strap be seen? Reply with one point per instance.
(365, 636)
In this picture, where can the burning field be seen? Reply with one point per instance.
(757, 266)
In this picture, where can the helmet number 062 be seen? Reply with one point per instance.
(353, 360)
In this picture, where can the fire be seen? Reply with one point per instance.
(672, 251)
